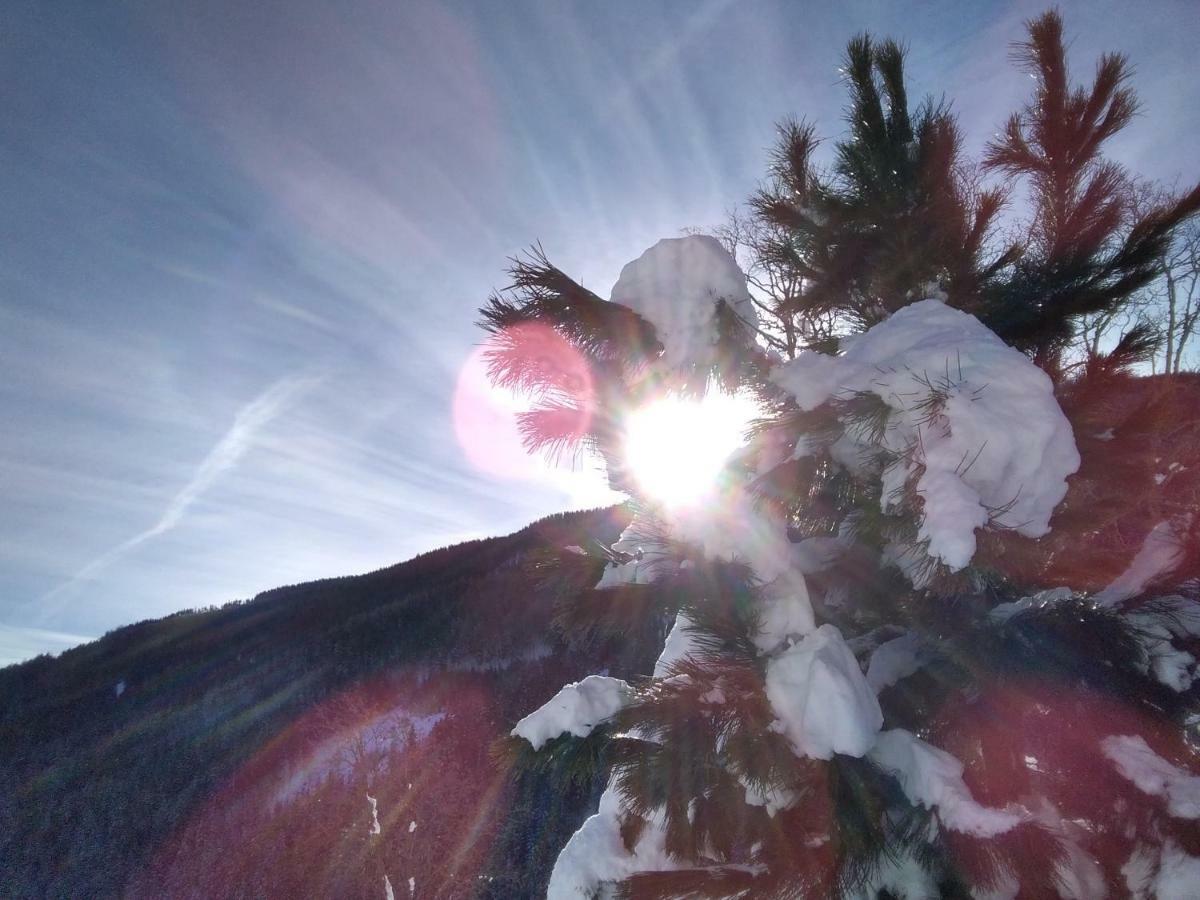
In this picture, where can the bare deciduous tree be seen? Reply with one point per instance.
(1179, 290)
(773, 287)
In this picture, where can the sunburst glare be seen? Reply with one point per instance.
(676, 447)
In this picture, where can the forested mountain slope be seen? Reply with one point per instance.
(335, 738)
(250, 750)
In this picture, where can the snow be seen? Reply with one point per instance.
(576, 709)
(1171, 666)
(903, 877)
(932, 778)
(733, 529)
(774, 798)
(1007, 887)
(1183, 615)
(1178, 874)
(1154, 775)
(1002, 612)
(335, 757)
(713, 697)
(782, 613)
(388, 893)
(741, 530)
(1078, 876)
(534, 652)
(894, 660)
(675, 285)
(412, 886)
(1000, 447)
(816, 554)
(375, 829)
(119, 688)
(1161, 551)
(680, 644)
(1170, 617)
(642, 539)
(595, 854)
(412, 826)
(1139, 872)
(821, 700)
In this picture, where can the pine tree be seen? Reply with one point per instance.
(874, 681)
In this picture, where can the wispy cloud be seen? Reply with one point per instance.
(250, 419)
(18, 643)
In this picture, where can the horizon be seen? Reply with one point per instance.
(243, 265)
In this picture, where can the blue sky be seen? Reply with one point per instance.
(242, 246)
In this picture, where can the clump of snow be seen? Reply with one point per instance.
(1169, 617)
(680, 644)
(821, 700)
(715, 696)
(895, 659)
(1171, 666)
(1183, 615)
(783, 612)
(388, 893)
(1178, 874)
(733, 529)
(1077, 875)
(412, 886)
(375, 829)
(576, 709)
(903, 877)
(642, 540)
(119, 688)
(1160, 553)
(932, 778)
(741, 530)
(995, 446)
(773, 797)
(596, 855)
(1002, 612)
(1139, 872)
(1154, 775)
(675, 286)
(816, 554)
(412, 826)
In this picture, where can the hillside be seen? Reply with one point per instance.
(233, 751)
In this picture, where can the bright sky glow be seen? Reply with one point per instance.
(244, 250)
(676, 447)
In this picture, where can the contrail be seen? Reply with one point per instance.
(223, 456)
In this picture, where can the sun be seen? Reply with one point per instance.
(676, 447)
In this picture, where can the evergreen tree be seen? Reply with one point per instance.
(874, 681)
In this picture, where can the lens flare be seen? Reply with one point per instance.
(676, 447)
